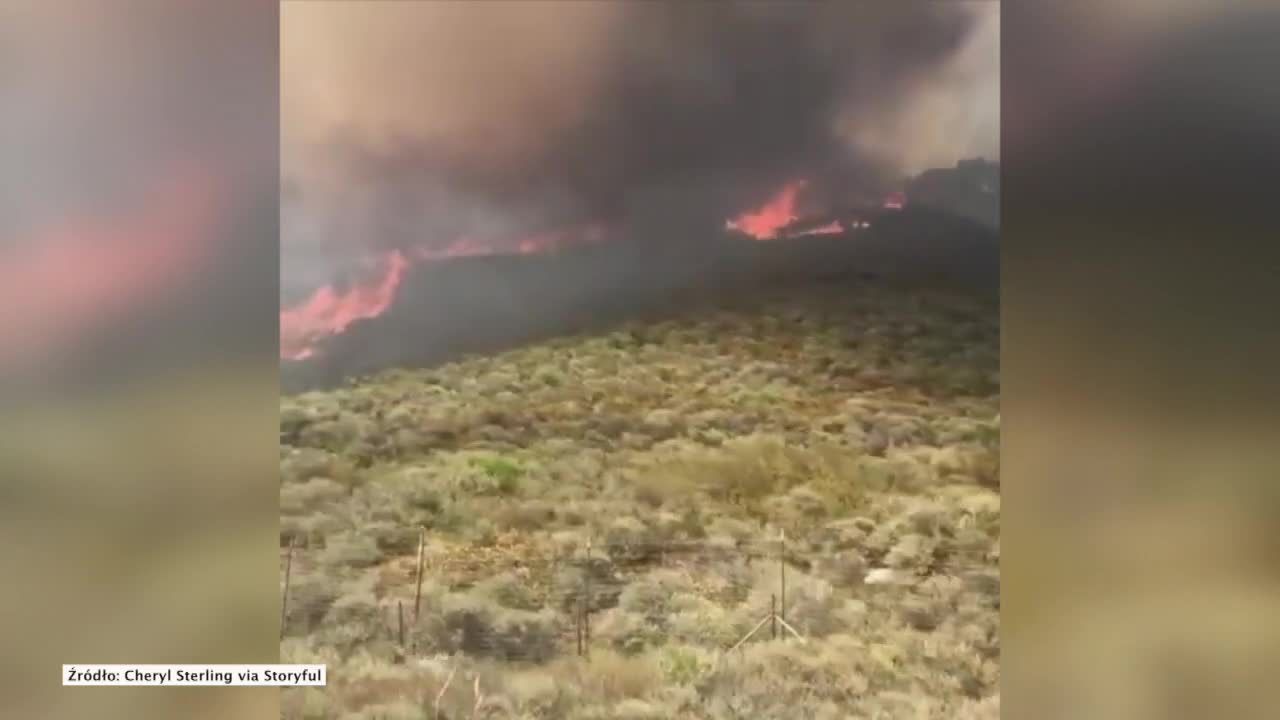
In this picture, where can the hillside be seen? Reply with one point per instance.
(644, 472)
(488, 304)
(971, 189)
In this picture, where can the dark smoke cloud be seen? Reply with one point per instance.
(411, 124)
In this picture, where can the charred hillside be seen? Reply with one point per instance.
(971, 189)
(453, 308)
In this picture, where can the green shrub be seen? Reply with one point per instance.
(684, 665)
(503, 475)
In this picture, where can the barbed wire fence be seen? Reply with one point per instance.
(576, 587)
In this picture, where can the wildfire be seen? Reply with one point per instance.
(87, 272)
(830, 228)
(330, 312)
(765, 222)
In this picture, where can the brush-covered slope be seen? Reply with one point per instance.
(646, 474)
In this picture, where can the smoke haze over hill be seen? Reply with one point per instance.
(424, 125)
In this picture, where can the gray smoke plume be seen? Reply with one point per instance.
(408, 125)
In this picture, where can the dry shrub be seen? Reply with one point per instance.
(844, 569)
(626, 632)
(573, 424)
(303, 464)
(629, 540)
(912, 551)
(352, 550)
(526, 516)
(744, 471)
(734, 528)
(699, 621)
(540, 694)
(615, 677)
(775, 679)
(921, 615)
(299, 498)
(510, 591)
(396, 710)
(334, 435)
(305, 703)
(353, 621)
(392, 538)
(813, 606)
(365, 685)
(310, 596)
(479, 627)
(985, 469)
(309, 531)
(652, 594)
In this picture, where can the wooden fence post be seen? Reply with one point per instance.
(577, 623)
(782, 572)
(400, 622)
(284, 602)
(586, 609)
(417, 594)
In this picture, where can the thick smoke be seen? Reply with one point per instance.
(410, 125)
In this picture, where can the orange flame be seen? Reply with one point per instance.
(86, 272)
(329, 312)
(765, 222)
(830, 228)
